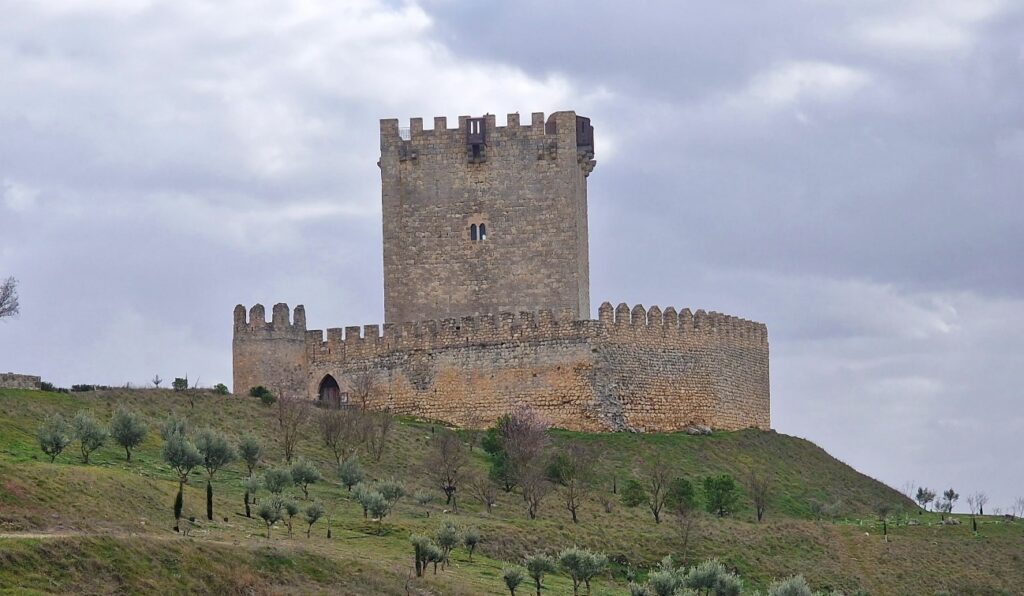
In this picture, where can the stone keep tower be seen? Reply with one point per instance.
(483, 219)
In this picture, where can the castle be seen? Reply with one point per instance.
(487, 302)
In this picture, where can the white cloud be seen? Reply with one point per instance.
(790, 83)
(928, 26)
(18, 197)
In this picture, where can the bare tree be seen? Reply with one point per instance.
(341, 429)
(759, 485)
(376, 429)
(573, 469)
(445, 464)
(524, 436)
(483, 488)
(525, 440)
(657, 476)
(1018, 507)
(363, 386)
(533, 480)
(8, 298)
(292, 413)
(976, 505)
(156, 381)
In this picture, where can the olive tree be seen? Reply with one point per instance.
(421, 550)
(183, 457)
(537, 566)
(217, 453)
(251, 451)
(276, 480)
(512, 576)
(471, 538)
(305, 473)
(446, 538)
(53, 436)
(89, 433)
(270, 512)
(314, 511)
(581, 565)
(350, 473)
(924, 496)
(128, 430)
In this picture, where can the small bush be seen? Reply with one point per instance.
(180, 384)
(47, 386)
(220, 389)
(263, 394)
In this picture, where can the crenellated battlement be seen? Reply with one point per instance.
(390, 128)
(282, 321)
(622, 323)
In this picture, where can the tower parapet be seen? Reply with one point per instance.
(482, 219)
(271, 354)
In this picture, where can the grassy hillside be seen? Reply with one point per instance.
(112, 519)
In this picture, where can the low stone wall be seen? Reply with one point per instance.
(631, 369)
(14, 381)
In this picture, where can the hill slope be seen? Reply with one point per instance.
(113, 518)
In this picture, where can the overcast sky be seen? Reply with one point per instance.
(849, 173)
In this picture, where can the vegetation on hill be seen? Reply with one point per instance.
(114, 517)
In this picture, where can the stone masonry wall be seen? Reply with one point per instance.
(528, 187)
(269, 354)
(632, 369)
(14, 381)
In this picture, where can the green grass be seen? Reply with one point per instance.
(113, 518)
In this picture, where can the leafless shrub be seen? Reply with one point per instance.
(292, 414)
(573, 469)
(341, 429)
(363, 386)
(376, 430)
(759, 486)
(445, 464)
(483, 489)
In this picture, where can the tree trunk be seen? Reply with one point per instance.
(178, 505)
(209, 500)
(128, 453)
(573, 511)
(248, 512)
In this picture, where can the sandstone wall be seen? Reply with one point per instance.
(14, 381)
(632, 369)
(528, 186)
(270, 354)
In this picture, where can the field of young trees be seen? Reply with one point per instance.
(177, 490)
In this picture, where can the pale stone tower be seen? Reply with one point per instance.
(483, 219)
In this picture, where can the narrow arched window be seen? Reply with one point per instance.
(483, 231)
(472, 232)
